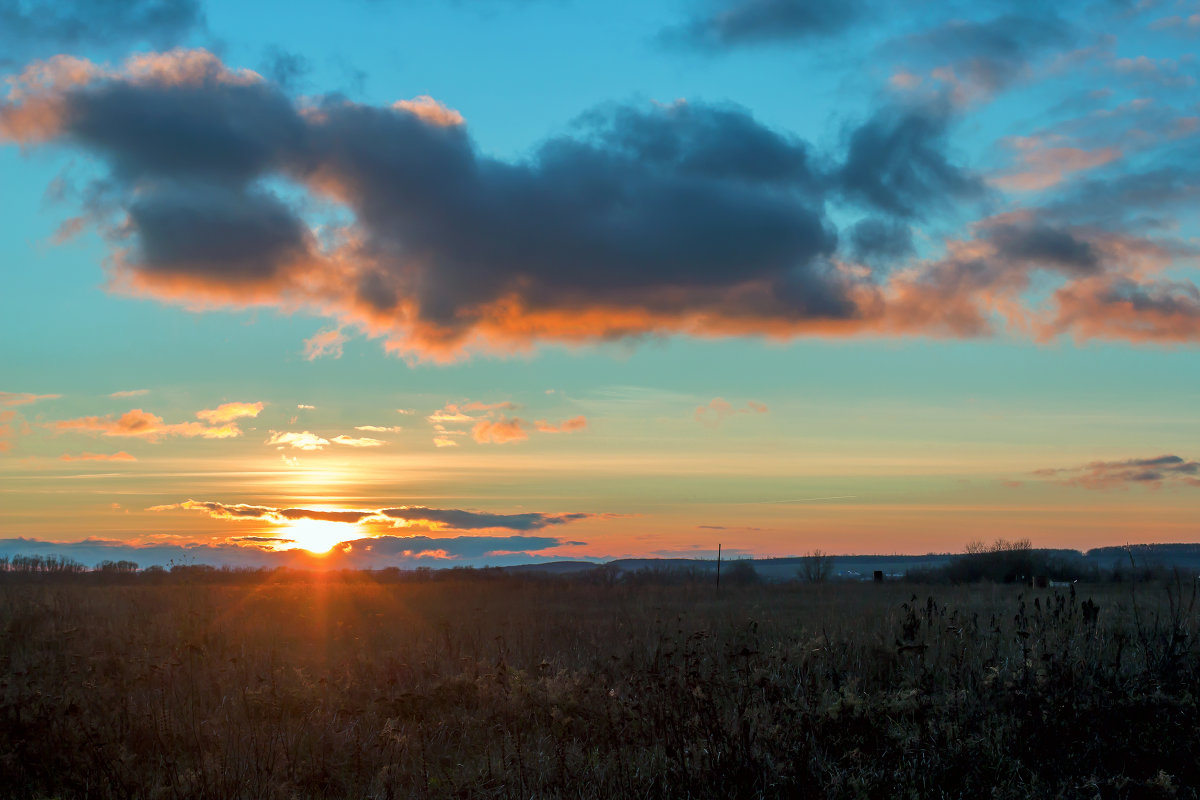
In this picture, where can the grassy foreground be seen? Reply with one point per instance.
(513, 688)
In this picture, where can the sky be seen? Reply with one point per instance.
(465, 282)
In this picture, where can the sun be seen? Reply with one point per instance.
(318, 535)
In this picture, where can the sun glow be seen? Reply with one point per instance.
(318, 535)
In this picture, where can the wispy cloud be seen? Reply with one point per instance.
(145, 425)
(130, 393)
(325, 343)
(228, 412)
(379, 428)
(571, 425)
(120, 456)
(719, 409)
(350, 441)
(1154, 472)
(24, 398)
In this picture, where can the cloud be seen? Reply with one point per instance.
(301, 441)
(976, 59)
(260, 551)
(325, 343)
(379, 428)
(500, 431)
(430, 110)
(33, 28)
(143, 424)
(442, 441)
(737, 23)
(121, 456)
(719, 409)
(130, 393)
(566, 426)
(24, 398)
(1043, 166)
(434, 518)
(680, 219)
(304, 407)
(228, 412)
(1154, 472)
(349, 441)
(896, 163)
(6, 431)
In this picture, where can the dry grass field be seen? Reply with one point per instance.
(346, 687)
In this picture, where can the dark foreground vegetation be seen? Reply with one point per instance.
(350, 687)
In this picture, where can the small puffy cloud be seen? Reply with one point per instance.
(145, 425)
(500, 431)
(228, 412)
(441, 441)
(719, 409)
(305, 407)
(303, 440)
(406, 411)
(379, 428)
(566, 426)
(349, 441)
(328, 342)
(24, 398)
(130, 393)
(121, 456)
(1155, 472)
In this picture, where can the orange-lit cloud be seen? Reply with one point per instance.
(1043, 165)
(379, 428)
(325, 343)
(442, 441)
(143, 424)
(121, 456)
(228, 412)
(566, 426)
(430, 110)
(24, 398)
(130, 393)
(500, 431)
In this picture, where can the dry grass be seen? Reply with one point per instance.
(510, 688)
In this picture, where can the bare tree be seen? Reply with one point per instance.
(816, 567)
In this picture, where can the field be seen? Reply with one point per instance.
(349, 687)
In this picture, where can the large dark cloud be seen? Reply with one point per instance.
(735, 23)
(897, 163)
(42, 27)
(686, 218)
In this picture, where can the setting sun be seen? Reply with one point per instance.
(318, 536)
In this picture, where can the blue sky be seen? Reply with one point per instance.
(770, 273)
